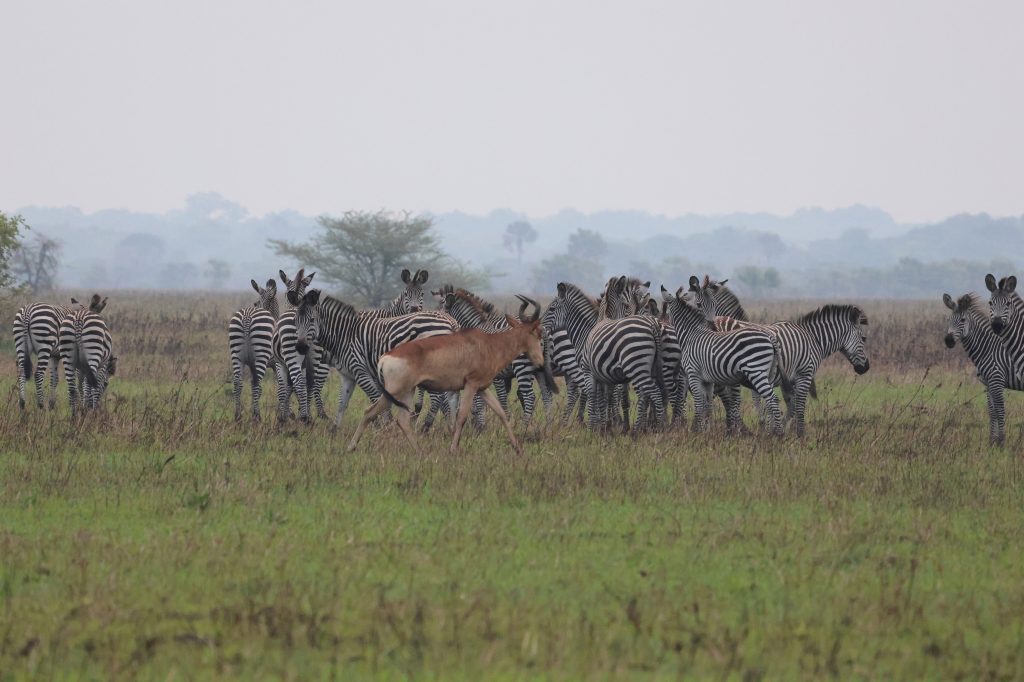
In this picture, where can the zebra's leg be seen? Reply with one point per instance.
(70, 374)
(767, 391)
(420, 395)
(478, 411)
(796, 402)
(524, 389)
(43, 361)
(348, 386)
(679, 399)
(572, 394)
(502, 386)
(284, 391)
(432, 410)
(702, 396)
(997, 415)
(23, 360)
(545, 391)
(730, 396)
(236, 384)
(649, 398)
(598, 398)
(54, 360)
(259, 370)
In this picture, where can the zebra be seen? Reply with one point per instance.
(35, 330)
(613, 349)
(741, 357)
(804, 343)
(671, 355)
(251, 343)
(357, 339)
(471, 311)
(969, 323)
(1007, 317)
(289, 365)
(562, 359)
(86, 350)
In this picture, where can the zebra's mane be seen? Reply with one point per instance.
(330, 304)
(725, 299)
(573, 294)
(973, 304)
(481, 306)
(851, 312)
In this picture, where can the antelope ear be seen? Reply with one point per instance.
(948, 300)
(694, 283)
(561, 290)
(312, 297)
(990, 282)
(406, 276)
(256, 286)
(421, 277)
(1009, 284)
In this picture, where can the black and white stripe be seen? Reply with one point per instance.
(251, 343)
(969, 322)
(86, 349)
(741, 357)
(35, 332)
(804, 343)
(613, 350)
(1007, 317)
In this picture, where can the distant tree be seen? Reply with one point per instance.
(365, 252)
(758, 281)
(517, 235)
(35, 264)
(218, 272)
(582, 264)
(10, 234)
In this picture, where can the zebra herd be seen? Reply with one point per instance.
(696, 341)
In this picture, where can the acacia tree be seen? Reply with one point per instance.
(364, 252)
(218, 272)
(35, 263)
(10, 232)
(517, 235)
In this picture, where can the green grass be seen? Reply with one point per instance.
(162, 540)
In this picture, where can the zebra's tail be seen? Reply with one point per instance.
(81, 357)
(775, 373)
(22, 346)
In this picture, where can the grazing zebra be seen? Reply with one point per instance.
(251, 342)
(472, 312)
(35, 330)
(357, 339)
(741, 357)
(1008, 317)
(87, 353)
(613, 349)
(804, 343)
(969, 322)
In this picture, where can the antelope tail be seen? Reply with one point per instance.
(395, 401)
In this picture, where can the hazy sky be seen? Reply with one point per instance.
(672, 107)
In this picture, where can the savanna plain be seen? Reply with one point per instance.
(160, 539)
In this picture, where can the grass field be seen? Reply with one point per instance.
(160, 540)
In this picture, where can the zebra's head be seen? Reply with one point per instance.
(307, 321)
(681, 313)
(616, 302)
(411, 298)
(702, 297)
(965, 314)
(267, 294)
(636, 295)
(296, 288)
(106, 369)
(999, 302)
(853, 344)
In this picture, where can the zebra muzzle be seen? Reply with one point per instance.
(302, 347)
(998, 326)
(950, 341)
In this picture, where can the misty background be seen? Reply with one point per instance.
(215, 243)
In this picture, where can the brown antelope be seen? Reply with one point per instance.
(466, 361)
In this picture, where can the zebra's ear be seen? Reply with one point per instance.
(449, 300)
(256, 286)
(561, 289)
(421, 277)
(694, 283)
(406, 276)
(284, 277)
(272, 284)
(1009, 284)
(74, 301)
(647, 284)
(948, 300)
(990, 282)
(308, 278)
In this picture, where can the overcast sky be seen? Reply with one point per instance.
(673, 107)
